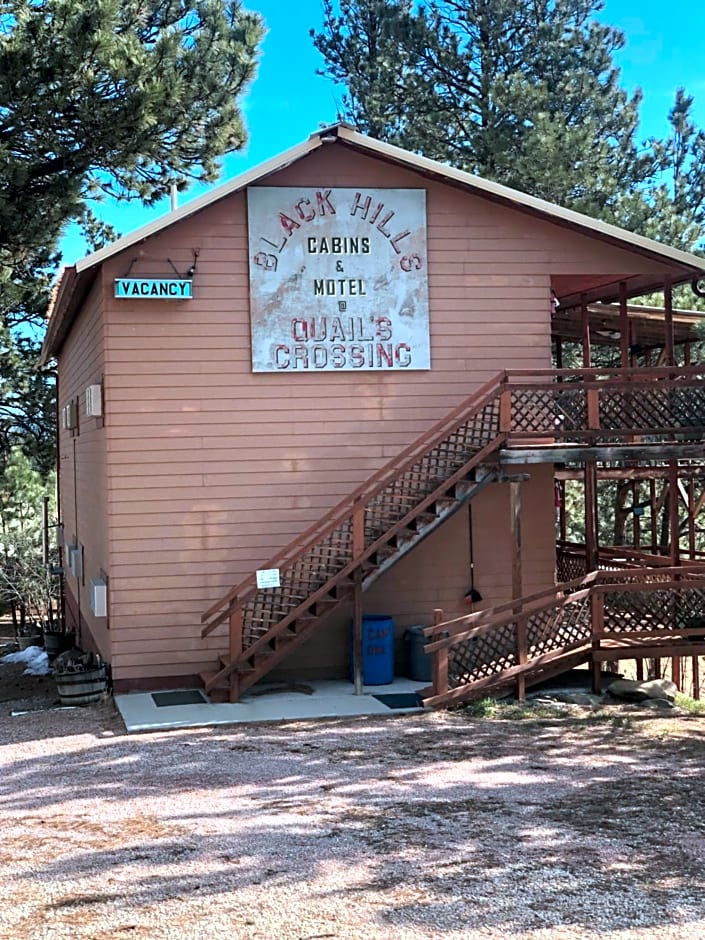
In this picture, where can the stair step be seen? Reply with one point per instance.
(208, 676)
(464, 488)
(219, 693)
(385, 552)
(404, 536)
(224, 660)
(444, 503)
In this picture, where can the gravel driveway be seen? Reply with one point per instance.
(408, 827)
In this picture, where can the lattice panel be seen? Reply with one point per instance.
(691, 607)
(551, 630)
(491, 653)
(557, 410)
(479, 657)
(570, 566)
(641, 610)
(421, 479)
(652, 408)
(298, 581)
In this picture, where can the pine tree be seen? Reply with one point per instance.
(523, 93)
(123, 97)
(99, 97)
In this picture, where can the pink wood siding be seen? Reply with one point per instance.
(213, 469)
(82, 466)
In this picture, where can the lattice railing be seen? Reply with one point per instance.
(656, 404)
(571, 559)
(650, 609)
(493, 648)
(488, 648)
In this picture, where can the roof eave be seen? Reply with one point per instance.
(526, 203)
(201, 202)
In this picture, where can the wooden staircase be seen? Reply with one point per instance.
(361, 538)
(412, 495)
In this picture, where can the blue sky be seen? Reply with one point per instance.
(287, 100)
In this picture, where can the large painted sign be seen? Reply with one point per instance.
(338, 279)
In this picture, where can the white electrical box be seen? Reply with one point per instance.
(94, 401)
(99, 597)
(69, 416)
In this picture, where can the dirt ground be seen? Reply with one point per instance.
(408, 827)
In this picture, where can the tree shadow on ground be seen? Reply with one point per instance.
(444, 820)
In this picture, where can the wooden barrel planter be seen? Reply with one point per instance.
(82, 687)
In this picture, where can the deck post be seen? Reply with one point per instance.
(691, 518)
(668, 322)
(653, 516)
(521, 630)
(235, 649)
(358, 546)
(597, 619)
(623, 326)
(439, 660)
(585, 330)
(696, 677)
(515, 513)
(517, 582)
(673, 521)
(562, 520)
(591, 546)
(357, 632)
(636, 518)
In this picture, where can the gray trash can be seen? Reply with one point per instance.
(418, 662)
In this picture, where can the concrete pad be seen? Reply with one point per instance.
(329, 699)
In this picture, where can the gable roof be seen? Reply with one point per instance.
(75, 281)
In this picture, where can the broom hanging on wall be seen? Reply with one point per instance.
(472, 595)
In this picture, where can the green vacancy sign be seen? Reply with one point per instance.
(147, 288)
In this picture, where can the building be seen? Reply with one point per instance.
(302, 376)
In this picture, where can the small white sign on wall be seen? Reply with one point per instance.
(338, 279)
(268, 578)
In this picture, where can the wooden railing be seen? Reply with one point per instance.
(596, 406)
(605, 615)
(591, 405)
(571, 559)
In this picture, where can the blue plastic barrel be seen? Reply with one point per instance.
(377, 649)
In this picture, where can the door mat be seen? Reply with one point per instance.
(180, 697)
(400, 700)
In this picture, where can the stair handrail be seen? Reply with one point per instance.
(614, 374)
(342, 511)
